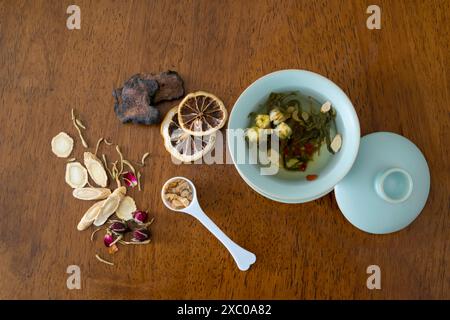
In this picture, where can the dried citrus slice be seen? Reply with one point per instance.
(201, 113)
(182, 145)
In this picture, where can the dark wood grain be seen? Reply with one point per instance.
(397, 77)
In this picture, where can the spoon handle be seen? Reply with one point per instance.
(243, 258)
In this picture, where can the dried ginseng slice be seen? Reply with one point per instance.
(91, 193)
(76, 175)
(126, 208)
(201, 113)
(336, 143)
(110, 206)
(180, 144)
(62, 145)
(95, 168)
(90, 215)
(325, 107)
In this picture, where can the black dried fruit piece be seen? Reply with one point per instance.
(171, 85)
(134, 101)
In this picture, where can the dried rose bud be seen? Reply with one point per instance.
(108, 239)
(130, 179)
(118, 227)
(140, 216)
(141, 235)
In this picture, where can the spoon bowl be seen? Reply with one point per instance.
(191, 185)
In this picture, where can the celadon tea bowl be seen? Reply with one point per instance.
(288, 188)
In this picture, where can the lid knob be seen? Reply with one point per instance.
(394, 185)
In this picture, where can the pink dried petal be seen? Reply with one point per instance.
(118, 227)
(108, 239)
(141, 235)
(140, 216)
(130, 179)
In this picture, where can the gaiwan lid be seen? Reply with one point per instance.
(388, 185)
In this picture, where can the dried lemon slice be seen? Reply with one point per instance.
(201, 113)
(182, 145)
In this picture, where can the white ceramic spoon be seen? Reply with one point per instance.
(243, 258)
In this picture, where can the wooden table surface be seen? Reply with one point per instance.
(397, 77)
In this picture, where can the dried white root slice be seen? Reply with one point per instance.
(95, 168)
(126, 208)
(325, 107)
(62, 145)
(110, 206)
(76, 175)
(90, 215)
(336, 143)
(91, 193)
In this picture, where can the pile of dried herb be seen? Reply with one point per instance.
(108, 202)
(125, 232)
(301, 127)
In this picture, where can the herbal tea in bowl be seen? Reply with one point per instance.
(293, 135)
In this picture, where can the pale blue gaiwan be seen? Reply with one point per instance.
(276, 187)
